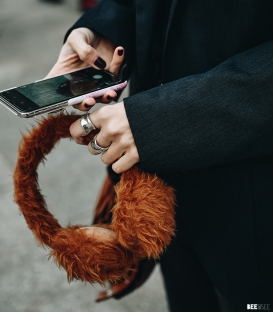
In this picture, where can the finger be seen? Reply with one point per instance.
(90, 149)
(81, 140)
(112, 154)
(76, 129)
(86, 104)
(67, 62)
(77, 132)
(108, 97)
(117, 60)
(85, 51)
(126, 162)
(102, 144)
(98, 117)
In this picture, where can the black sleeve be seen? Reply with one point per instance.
(114, 19)
(223, 115)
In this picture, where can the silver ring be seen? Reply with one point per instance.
(87, 124)
(96, 147)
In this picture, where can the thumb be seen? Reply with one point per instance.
(117, 60)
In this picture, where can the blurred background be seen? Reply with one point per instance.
(31, 35)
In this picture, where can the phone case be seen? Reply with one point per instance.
(96, 94)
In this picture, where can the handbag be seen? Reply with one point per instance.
(142, 216)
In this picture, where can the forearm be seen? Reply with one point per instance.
(223, 115)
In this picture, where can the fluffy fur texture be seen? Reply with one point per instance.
(143, 216)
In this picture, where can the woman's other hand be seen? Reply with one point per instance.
(115, 132)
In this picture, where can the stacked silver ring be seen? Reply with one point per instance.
(87, 124)
(96, 147)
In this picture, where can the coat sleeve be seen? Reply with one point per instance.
(223, 115)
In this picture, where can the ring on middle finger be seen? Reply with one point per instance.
(87, 124)
(96, 147)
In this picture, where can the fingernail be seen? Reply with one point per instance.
(109, 98)
(120, 52)
(100, 63)
(87, 106)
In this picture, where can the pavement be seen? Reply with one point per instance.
(31, 35)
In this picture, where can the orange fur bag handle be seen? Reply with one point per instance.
(142, 223)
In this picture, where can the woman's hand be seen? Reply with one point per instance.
(85, 48)
(115, 132)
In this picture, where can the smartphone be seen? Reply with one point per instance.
(52, 94)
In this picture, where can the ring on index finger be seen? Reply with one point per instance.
(96, 147)
(87, 124)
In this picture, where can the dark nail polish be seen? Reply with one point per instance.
(109, 98)
(87, 106)
(120, 52)
(100, 63)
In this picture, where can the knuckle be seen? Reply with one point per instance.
(116, 169)
(70, 37)
(74, 32)
(78, 141)
(104, 159)
(75, 130)
(73, 36)
(110, 131)
(72, 130)
(85, 53)
(92, 151)
(103, 113)
(124, 142)
(134, 155)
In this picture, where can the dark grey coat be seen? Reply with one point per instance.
(208, 130)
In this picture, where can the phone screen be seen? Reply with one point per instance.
(60, 88)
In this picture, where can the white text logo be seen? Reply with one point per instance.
(261, 307)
